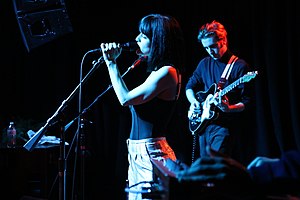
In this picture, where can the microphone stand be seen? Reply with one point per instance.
(82, 138)
(31, 144)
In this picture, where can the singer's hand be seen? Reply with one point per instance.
(110, 51)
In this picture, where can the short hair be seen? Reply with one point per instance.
(212, 29)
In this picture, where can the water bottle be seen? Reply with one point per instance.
(11, 135)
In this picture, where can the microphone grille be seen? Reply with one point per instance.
(130, 46)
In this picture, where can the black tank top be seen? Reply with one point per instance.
(150, 120)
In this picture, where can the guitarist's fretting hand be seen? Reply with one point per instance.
(221, 103)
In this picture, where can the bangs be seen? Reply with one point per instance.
(145, 27)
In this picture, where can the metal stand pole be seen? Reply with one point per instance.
(62, 166)
(82, 157)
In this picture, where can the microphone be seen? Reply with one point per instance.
(128, 46)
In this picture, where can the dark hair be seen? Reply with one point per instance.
(167, 41)
(212, 29)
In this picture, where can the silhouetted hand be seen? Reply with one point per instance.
(260, 160)
(217, 168)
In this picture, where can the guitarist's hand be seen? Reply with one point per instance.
(221, 103)
(195, 109)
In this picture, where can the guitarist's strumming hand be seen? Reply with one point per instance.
(195, 108)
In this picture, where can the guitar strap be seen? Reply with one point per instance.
(227, 71)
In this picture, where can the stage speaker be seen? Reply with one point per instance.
(41, 21)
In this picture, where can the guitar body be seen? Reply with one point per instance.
(207, 113)
(199, 120)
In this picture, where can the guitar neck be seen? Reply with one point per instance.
(231, 86)
(247, 77)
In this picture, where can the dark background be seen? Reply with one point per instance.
(35, 83)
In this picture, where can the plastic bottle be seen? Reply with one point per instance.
(11, 135)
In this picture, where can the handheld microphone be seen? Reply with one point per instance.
(128, 46)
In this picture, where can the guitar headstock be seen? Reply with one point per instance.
(250, 75)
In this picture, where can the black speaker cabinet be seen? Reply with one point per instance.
(41, 21)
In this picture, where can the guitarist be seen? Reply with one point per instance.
(218, 131)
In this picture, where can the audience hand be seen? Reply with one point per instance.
(258, 161)
(217, 168)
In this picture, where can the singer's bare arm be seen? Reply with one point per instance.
(161, 83)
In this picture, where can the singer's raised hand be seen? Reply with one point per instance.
(111, 51)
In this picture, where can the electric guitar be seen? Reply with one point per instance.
(198, 120)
